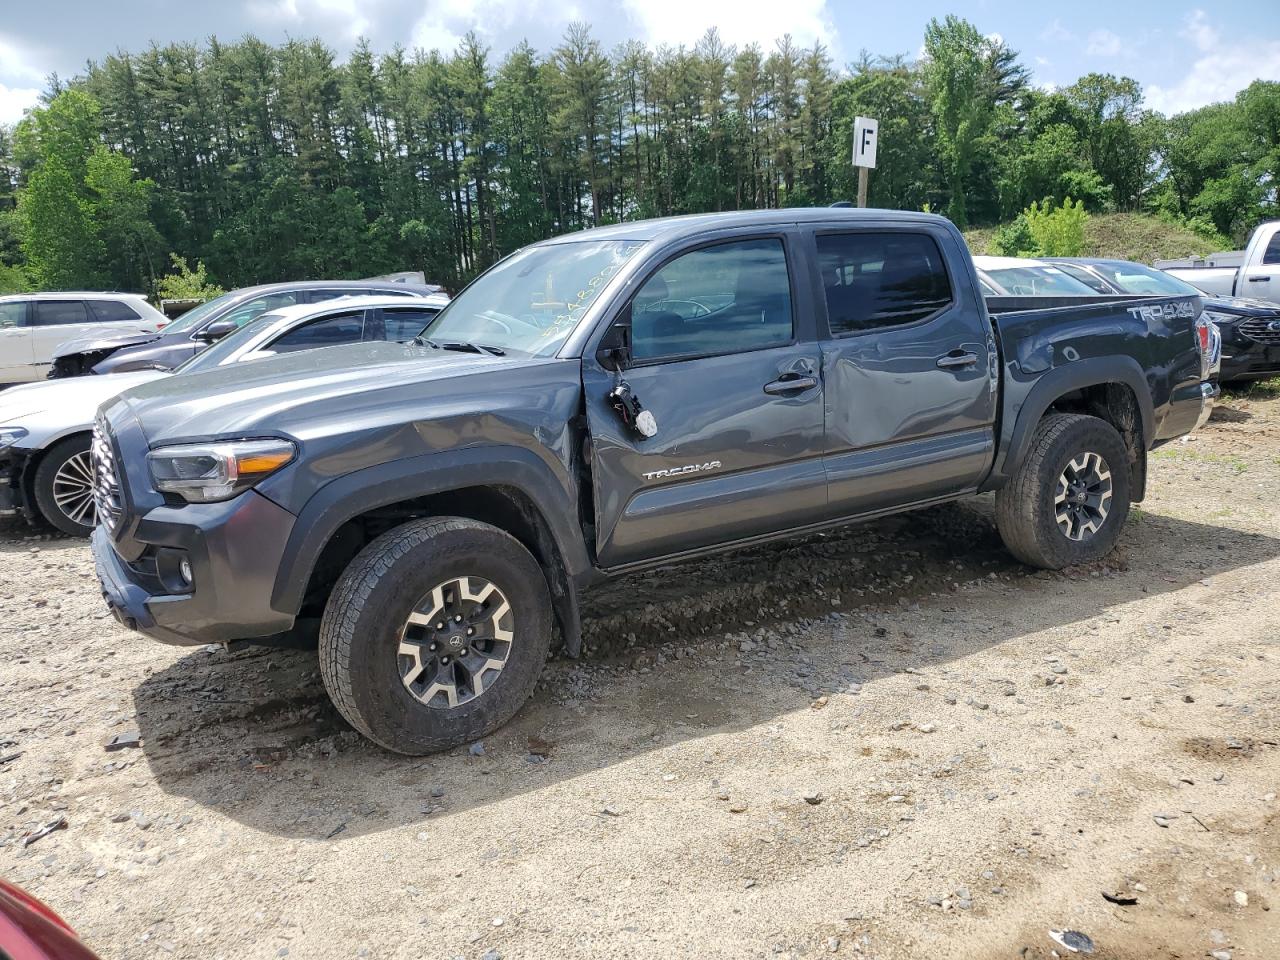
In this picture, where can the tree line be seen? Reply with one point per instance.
(280, 162)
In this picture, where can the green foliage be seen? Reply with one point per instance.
(1057, 231)
(185, 283)
(13, 279)
(1014, 239)
(280, 162)
(83, 218)
(1143, 238)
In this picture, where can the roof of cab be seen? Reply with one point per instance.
(674, 228)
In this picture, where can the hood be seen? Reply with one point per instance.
(1242, 306)
(107, 338)
(310, 391)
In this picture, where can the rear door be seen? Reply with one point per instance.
(54, 322)
(15, 343)
(724, 359)
(910, 367)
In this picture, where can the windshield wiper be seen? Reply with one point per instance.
(461, 346)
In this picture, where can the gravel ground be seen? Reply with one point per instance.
(890, 741)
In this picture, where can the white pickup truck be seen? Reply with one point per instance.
(1253, 272)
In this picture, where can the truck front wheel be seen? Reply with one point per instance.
(1069, 498)
(435, 634)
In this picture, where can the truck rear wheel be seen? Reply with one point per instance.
(1069, 498)
(435, 634)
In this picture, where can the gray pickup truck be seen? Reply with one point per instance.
(612, 400)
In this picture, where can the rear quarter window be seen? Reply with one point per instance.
(112, 311)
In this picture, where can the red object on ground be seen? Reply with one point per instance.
(29, 930)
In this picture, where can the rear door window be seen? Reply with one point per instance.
(726, 298)
(60, 313)
(112, 311)
(877, 280)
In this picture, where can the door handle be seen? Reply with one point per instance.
(790, 383)
(1259, 279)
(953, 360)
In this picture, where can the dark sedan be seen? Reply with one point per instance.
(1250, 328)
(199, 327)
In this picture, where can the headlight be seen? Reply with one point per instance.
(205, 472)
(1213, 316)
(10, 435)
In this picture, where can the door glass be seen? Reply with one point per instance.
(12, 314)
(112, 311)
(331, 331)
(403, 323)
(875, 280)
(258, 306)
(1271, 256)
(727, 298)
(59, 313)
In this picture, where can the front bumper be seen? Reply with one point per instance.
(1208, 393)
(234, 549)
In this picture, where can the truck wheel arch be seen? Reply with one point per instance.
(1109, 387)
(510, 488)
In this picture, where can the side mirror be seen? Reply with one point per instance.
(615, 348)
(217, 330)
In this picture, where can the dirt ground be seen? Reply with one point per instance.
(890, 742)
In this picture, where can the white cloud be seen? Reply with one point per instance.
(1222, 70)
(302, 13)
(444, 22)
(15, 100)
(1103, 43)
(1055, 32)
(15, 67)
(1200, 31)
(740, 22)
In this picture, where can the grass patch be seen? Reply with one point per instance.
(1257, 390)
(1125, 236)
(1196, 456)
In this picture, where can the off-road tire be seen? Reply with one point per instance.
(1025, 509)
(43, 484)
(363, 620)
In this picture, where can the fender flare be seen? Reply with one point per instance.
(1016, 436)
(434, 473)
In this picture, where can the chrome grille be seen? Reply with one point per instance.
(106, 482)
(1261, 329)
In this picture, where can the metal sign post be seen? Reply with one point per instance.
(866, 133)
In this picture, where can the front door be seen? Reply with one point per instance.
(723, 358)
(910, 367)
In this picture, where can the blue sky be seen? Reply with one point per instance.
(1184, 54)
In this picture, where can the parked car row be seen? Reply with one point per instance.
(45, 469)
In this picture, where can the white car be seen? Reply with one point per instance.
(33, 325)
(1027, 277)
(45, 428)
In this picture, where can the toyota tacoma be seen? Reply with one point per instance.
(430, 513)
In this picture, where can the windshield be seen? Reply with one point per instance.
(531, 301)
(1135, 278)
(1036, 281)
(196, 315)
(220, 350)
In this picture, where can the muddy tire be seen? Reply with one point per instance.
(63, 486)
(1069, 498)
(435, 634)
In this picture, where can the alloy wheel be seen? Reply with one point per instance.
(1083, 497)
(73, 489)
(456, 642)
